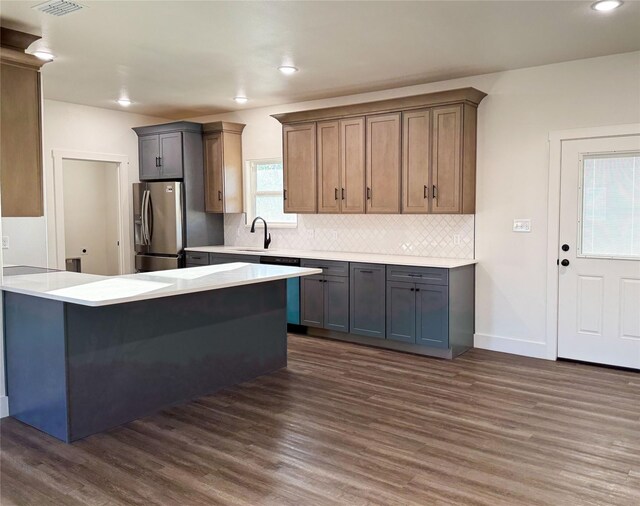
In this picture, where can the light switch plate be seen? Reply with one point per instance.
(522, 225)
(5, 242)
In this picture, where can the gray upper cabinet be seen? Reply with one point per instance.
(170, 162)
(367, 300)
(149, 146)
(432, 315)
(164, 150)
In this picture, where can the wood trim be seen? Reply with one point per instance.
(17, 58)
(469, 135)
(469, 96)
(16, 39)
(223, 126)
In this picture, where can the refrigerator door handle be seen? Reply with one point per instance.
(149, 218)
(145, 218)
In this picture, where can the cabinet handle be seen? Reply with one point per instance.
(417, 289)
(157, 163)
(426, 192)
(368, 193)
(284, 194)
(343, 194)
(335, 194)
(366, 272)
(435, 192)
(219, 194)
(412, 289)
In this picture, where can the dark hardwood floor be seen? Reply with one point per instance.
(346, 424)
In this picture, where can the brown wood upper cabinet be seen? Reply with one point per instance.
(419, 155)
(383, 163)
(416, 161)
(223, 167)
(299, 166)
(341, 166)
(21, 140)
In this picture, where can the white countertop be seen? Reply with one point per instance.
(365, 258)
(91, 290)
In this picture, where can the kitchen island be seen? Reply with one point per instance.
(86, 353)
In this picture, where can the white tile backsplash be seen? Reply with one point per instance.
(445, 236)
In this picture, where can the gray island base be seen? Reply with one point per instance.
(75, 370)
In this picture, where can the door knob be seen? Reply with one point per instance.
(564, 262)
(565, 247)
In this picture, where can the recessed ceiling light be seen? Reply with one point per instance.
(43, 55)
(241, 100)
(287, 69)
(606, 5)
(124, 102)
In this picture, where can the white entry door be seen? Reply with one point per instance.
(599, 251)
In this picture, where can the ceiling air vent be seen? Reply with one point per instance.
(59, 7)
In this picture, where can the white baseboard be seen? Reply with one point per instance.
(4, 406)
(533, 349)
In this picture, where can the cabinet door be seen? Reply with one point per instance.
(383, 163)
(328, 167)
(336, 303)
(367, 300)
(299, 165)
(352, 165)
(416, 161)
(171, 156)
(149, 146)
(446, 169)
(213, 173)
(312, 300)
(432, 315)
(401, 311)
(21, 142)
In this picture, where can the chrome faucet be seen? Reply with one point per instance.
(267, 238)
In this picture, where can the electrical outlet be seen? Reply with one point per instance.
(522, 225)
(5, 242)
(456, 239)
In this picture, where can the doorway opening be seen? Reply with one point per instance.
(91, 217)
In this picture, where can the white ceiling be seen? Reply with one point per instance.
(180, 59)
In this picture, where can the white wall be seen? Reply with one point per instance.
(91, 215)
(522, 107)
(80, 128)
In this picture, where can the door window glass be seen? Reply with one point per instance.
(610, 217)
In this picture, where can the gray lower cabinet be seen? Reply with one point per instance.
(418, 312)
(195, 259)
(324, 298)
(432, 315)
(401, 311)
(367, 300)
(336, 303)
(312, 301)
(226, 258)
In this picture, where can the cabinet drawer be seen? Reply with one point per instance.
(224, 258)
(329, 267)
(194, 258)
(429, 275)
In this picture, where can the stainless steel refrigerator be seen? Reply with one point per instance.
(158, 218)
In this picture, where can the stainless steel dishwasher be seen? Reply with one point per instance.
(293, 287)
